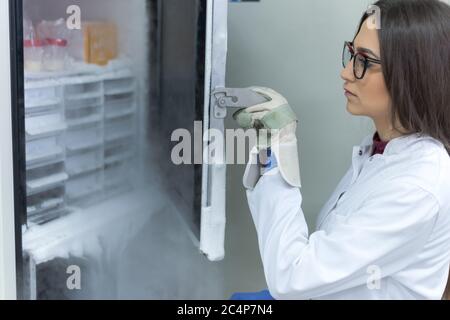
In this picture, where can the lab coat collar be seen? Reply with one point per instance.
(396, 145)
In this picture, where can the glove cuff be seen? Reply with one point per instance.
(284, 155)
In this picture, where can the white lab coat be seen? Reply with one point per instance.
(383, 234)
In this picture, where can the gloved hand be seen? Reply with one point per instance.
(276, 123)
(262, 295)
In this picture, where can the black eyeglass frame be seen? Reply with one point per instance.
(367, 59)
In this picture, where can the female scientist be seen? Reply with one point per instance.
(385, 231)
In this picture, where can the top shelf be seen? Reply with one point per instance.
(119, 68)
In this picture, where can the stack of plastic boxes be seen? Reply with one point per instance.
(120, 129)
(81, 136)
(83, 98)
(45, 150)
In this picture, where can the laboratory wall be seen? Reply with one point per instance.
(295, 48)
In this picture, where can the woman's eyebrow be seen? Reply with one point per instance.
(366, 50)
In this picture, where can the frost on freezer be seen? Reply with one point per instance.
(146, 256)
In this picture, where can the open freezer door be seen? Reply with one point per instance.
(213, 218)
(190, 61)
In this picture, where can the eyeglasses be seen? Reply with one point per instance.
(361, 61)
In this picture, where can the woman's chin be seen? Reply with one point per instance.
(352, 109)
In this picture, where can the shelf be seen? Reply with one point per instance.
(83, 96)
(120, 114)
(119, 91)
(85, 120)
(50, 129)
(40, 218)
(118, 158)
(45, 183)
(84, 169)
(118, 75)
(44, 155)
(40, 103)
(118, 135)
(40, 164)
(86, 103)
(84, 145)
(51, 203)
(88, 191)
(45, 205)
(41, 94)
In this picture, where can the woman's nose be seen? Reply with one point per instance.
(347, 73)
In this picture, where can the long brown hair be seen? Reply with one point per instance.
(415, 54)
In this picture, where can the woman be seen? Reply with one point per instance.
(385, 231)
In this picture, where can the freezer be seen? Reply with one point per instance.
(93, 205)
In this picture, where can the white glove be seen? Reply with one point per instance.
(276, 124)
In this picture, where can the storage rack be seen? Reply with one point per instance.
(45, 129)
(81, 140)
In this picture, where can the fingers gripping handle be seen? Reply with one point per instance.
(235, 98)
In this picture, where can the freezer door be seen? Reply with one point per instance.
(191, 65)
(213, 216)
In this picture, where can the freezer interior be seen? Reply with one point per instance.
(106, 212)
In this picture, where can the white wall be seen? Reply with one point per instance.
(294, 47)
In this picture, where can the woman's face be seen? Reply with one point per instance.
(369, 96)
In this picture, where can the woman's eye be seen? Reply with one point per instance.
(361, 60)
(365, 62)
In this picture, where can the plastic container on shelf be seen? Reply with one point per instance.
(46, 205)
(87, 161)
(85, 88)
(44, 150)
(119, 86)
(100, 42)
(42, 93)
(55, 54)
(84, 137)
(120, 128)
(44, 124)
(116, 104)
(46, 177)
(34, 50)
